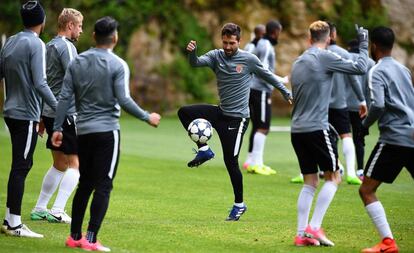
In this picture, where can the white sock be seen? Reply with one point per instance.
(348, 148)
(304, 205)
(249, 158)
(258, 147)
(49, 185)
(376, 211)
(14, 220)
(7, 214)
(325, 198)
(203, 148)
(67, 185)
(239, 204)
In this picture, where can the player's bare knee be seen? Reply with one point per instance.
(263, 131)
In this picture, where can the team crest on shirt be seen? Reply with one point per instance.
(239, 68)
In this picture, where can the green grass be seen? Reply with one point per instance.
(160, 205)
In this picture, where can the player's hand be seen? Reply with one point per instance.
(154, 119)
(191, 45)
(41, 128)
(362, 33)
(57, 138)
(285, 80)
(363, 110)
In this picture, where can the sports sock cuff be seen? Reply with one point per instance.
(204, 148)
(309, 189)
(239, 204)
(331, 185)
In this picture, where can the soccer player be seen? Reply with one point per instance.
(338, 110)
(259, 31)
(22, 64)
(392, 104)
(311, 85)
(234, 69)
(353, 106)
(99, 80)
(260, 101)
(65, 169)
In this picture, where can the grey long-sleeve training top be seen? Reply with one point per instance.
(312, 85)
(267, 55)
(234, 75)
(23, 66)
(341, 85)
(59, 52)
(351, 100)
(99, 79)
(391, 102)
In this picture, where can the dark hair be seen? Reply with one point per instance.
(231, 29)
(104, 29)
(273, 25)
(353, 46)
(383, 37)
(332, 27)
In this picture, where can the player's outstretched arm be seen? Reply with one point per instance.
(154, 119)
(202, 61)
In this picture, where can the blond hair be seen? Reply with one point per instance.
(68, 15)
(319, 31)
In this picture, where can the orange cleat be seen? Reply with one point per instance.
(387, 245)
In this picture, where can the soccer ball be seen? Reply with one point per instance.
(200, 131)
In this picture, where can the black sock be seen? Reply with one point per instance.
(76, 236)
(91, 236)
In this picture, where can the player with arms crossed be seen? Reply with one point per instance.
(65, 169)
(392, 104)
(234, 69)
(311, 85)
(99, 80)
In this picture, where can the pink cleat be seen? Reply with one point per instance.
(72, 243)
(246, 165)
(97, 246)
(318, 235)
(301, 241)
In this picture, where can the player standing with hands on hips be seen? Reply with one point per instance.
(99, 80)
(234, 69)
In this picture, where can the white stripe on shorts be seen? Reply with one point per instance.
(28, 140)
(114, 154)
(263, 107)
(238, 138)
(374, 160)
(330, 149)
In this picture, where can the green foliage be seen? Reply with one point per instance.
(346, 13)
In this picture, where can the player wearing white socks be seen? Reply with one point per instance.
(311, 140)
(392, 104)
(260, 101)
(64, 172)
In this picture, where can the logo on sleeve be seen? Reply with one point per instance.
(239, 68)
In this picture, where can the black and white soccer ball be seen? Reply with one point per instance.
(200, 130)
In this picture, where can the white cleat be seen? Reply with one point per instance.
(58, 216)
(22, 231)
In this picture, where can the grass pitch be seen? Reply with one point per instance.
(160, 205)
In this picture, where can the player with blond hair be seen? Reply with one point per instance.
(64, 171)
(311, 78)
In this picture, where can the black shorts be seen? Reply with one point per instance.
(339, 119)
(98, 158)
(260, 104)
(69, 143)
(386, 162)
(315, 149)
